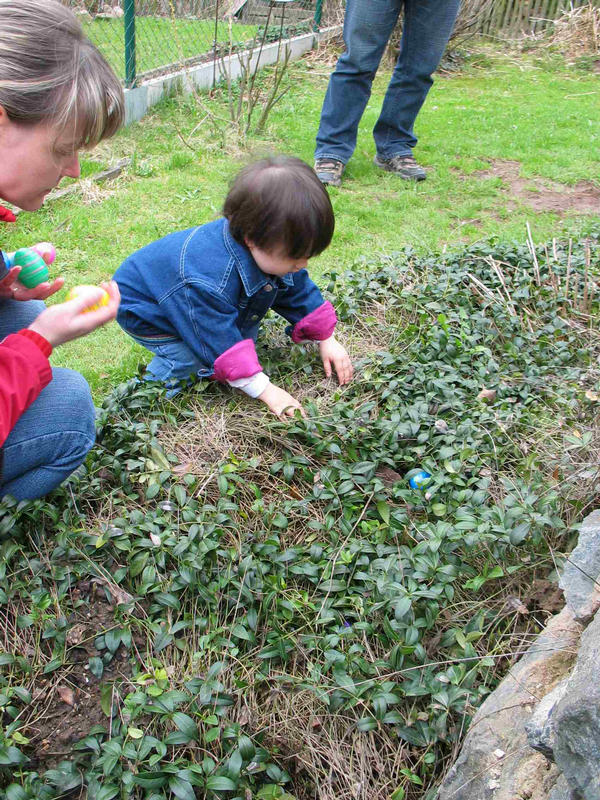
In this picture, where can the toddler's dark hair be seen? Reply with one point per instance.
(279, 203)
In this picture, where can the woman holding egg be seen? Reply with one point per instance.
(57, 95)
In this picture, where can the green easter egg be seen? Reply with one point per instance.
(33, 267)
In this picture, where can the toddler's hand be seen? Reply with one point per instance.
(66, 321)
(333, 354)
(280, 402)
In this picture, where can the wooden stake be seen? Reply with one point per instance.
(500, 275)
(568, 271)
(588, 256)
(533, 255)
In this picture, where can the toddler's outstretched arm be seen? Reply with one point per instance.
(314, 319)
(239, 367)
(334, 355)
(280, 402)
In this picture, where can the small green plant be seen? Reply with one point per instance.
(251, 91)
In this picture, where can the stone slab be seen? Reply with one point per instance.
(577, 719)
(580, 579)
(499, 725)
(540, 728)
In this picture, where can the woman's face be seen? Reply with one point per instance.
(33, 160)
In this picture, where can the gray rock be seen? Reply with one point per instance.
(576, 719)
(562, 790)
(495, 762)
(540, 728)
(580, 579)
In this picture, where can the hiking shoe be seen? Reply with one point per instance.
(404, 166)
(329, 171)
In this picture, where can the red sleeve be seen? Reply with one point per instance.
(24, 371)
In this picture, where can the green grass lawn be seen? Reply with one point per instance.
(162, 41)
(499, 107)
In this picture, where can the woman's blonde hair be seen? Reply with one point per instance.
(51, 73)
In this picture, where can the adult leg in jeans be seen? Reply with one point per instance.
(426, 30)
(368, 25)
(18, 314)
(52, 437)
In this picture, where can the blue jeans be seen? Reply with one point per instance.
(174, 362)
(52, 437)
(368, 25)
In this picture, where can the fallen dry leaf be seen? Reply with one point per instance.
(388, 476)
(66, 695)
(182, 469)
(487, 395)
(76, 634)
(517, 605)
(244, 717)
(120, 596)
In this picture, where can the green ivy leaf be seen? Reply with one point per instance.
(15, 792)
(185, 724)
(96, 666)
(219, 783)
(384, 511)
(182, 789)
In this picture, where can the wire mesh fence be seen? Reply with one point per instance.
(142, 38)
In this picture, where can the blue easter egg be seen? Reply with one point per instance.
(418, 478)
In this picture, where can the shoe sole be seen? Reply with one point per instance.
(333, 182)
(386, 168)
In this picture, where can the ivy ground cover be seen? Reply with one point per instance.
(223, 606)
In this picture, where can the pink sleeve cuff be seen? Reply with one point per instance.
(240, 361)
(316, 326)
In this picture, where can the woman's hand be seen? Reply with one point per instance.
(10, 288)
(66, 321)
(333, 354)
(280, 402)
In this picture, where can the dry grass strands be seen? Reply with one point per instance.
(577, 31)
(325, 752)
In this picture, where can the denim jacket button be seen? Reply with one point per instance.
(268, 288)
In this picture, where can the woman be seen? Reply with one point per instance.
(57, 95)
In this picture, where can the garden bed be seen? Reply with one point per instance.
(278, 613)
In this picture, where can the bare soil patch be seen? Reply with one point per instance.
(544, 195)
(69, 702)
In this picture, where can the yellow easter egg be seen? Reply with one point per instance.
(76, 291)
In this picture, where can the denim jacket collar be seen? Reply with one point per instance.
(252, 277)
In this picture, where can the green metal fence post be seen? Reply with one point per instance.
(129, 20)
(318, 14)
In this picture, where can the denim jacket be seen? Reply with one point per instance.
(203, 287)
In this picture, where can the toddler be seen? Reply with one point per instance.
(196, 298)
